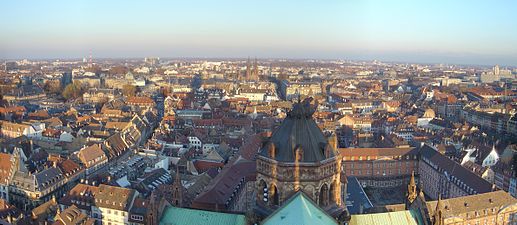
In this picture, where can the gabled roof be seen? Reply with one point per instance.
(5, 168)
(89, 154)
(48, 177)
(82, 193)
(474, 203)
(454, 169)
(220, 189)
(116, 145)
(114, 197)
(299, 210)
(72, 216)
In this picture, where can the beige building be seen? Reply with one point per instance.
(359, 123)
(98, 95)
(292, 90)
(112, 204)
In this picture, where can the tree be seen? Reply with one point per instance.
(73, 91)
(52, 87)
(118, 70)
(129, 90)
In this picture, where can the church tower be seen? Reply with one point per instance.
(177, 191)
(296, 158)
(152, 212)
(248, 69)
(255, 71)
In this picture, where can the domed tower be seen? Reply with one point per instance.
(298, 157)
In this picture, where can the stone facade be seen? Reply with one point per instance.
(298, 157)
(322, 183)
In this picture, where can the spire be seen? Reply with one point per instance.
(177, 179)
(411, 189)
(421, 193)
(248, 69)
(177, 190)
(438, 214)
(255, 70)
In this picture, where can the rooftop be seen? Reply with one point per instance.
(299, 210)
(173, 215)
(299, 130)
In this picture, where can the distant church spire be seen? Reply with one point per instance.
(248, 69)
(255, 70)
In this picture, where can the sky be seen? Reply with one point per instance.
(428, 31)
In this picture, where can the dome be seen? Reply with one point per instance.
(298, 131)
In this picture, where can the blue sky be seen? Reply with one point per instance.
(437, 31)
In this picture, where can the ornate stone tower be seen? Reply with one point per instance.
(411, 189)
(177, 191)
(299, 158)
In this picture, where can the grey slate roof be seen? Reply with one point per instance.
(48, 177)
(454, 169)
(299, 129)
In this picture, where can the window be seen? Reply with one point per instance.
(137, 217)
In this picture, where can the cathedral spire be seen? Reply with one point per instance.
(248, 69)
(255, 70)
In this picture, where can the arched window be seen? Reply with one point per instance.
(323, 196)
(332, 192)
(274, 195)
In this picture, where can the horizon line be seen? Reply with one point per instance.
(258, 58)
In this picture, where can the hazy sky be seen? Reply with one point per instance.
(445, 31)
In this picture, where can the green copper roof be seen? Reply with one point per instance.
(388, 218)
(299, 210)
(183, 216)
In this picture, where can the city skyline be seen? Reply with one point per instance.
(457, 32)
